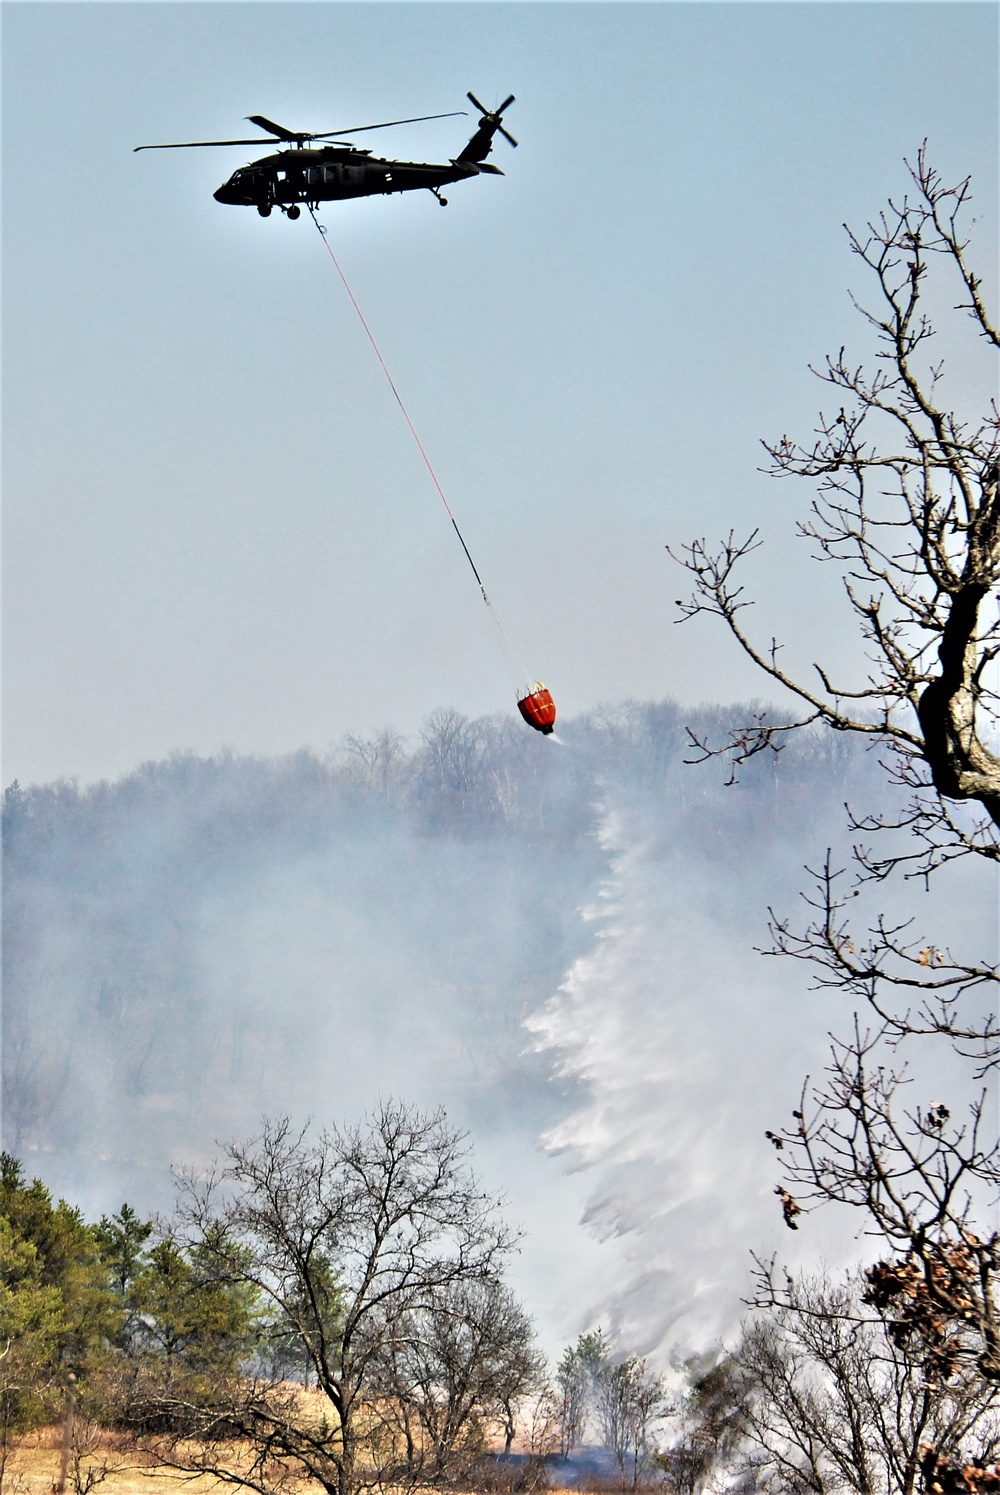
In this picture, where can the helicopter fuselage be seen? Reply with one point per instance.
(333, 173)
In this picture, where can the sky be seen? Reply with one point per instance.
(217, 531)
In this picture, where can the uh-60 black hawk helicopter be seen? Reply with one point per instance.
(312, 173)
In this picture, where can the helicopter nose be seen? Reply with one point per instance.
(233, 191)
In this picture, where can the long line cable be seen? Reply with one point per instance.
(421, 449)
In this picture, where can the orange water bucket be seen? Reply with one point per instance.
(538, 709)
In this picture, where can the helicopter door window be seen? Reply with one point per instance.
(313, 175)
(329, 173)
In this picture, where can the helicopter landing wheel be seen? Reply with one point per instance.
(443, 201)
(264, 209)
(294, 212)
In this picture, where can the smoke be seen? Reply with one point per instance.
(557, 947)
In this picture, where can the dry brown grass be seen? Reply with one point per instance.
(33, 1469)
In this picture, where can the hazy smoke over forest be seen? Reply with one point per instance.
(553, 940)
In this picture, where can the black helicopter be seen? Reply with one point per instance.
(313, 174)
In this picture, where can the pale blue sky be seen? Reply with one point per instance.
(216, 529)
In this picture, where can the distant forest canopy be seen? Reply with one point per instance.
(208, 938)
(461, 776)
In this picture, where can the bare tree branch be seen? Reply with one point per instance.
(908, 508)
(919, 1179)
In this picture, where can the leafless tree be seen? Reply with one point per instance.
(620, 1398)
(572, 1392)
(907, 507)
(540, 1424)
(453, 750)
(345, 1237)
(832, 1402)
(919, 1180)
(456, 1371)
(94, 1457)
(377, 763)
(712, 1425)
(631, 1404)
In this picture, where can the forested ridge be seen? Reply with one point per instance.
(480, 839)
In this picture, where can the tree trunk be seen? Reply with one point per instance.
(961, 766)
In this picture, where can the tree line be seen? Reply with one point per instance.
(332, 1308)
(122, 901)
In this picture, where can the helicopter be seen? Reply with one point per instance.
(334, 170)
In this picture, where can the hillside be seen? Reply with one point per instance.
(553, 939)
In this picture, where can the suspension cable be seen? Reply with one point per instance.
(412, 428)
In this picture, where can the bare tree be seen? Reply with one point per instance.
(832, 1402)
(347, 1237)
(907, 507)
(453, 749)
(631, 1404)
(572, 1392)
(376, 763)
(540, 1425)
(456, 1371)
(712, 1424)
(620, 1398)
(94, 1456)
(920, 1180)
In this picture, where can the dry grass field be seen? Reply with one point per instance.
(33, 1468)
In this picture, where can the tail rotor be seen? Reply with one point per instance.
(492, 119)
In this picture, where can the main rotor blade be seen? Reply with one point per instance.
(283, 134)
(273, 129)
(187, 145)
(385, 125)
